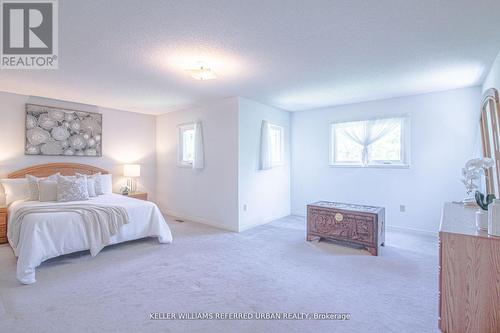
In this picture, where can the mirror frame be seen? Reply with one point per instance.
(491, 146)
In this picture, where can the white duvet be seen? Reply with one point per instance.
(47, 235)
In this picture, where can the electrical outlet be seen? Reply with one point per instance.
(402, 208)
(244, 207)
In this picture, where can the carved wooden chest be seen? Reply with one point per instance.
(355, 224)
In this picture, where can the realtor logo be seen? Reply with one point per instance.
(29, 34)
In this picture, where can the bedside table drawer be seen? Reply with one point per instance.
(141, 196)
(3, 228)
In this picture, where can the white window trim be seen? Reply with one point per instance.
(282, 151)
(180, 145)
(405, 146)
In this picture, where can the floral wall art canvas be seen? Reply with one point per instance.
(55, 131)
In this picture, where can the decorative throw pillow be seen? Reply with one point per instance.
(48, 190)
(107, 183)
(91, 187)
(15, 189)
(72, 189)
(97, 182)
(34, 194)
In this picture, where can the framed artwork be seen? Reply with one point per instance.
(62, 132)
(490, 121)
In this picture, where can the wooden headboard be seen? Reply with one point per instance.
(66, 169)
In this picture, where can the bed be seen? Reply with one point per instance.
(44, 235)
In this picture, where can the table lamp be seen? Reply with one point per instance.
(132, 172)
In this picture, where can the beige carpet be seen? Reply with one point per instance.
(267, 269)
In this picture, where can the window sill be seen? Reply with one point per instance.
(369, 166)
(185, 165)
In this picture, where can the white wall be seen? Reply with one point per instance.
(265, 193)
(211, 195)
(127, 138)
(493, 78)
(443, 127)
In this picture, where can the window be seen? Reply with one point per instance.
(377, 142)
(186, 145)
(276, 139)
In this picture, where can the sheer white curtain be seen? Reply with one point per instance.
(265, 146)
(199, 155)
(369, 133)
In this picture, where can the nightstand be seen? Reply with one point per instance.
(138, 195)
(3, 225)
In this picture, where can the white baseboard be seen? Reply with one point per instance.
(245, 227)
(218, 225)
(402, 229)
(412, 230)
(256, 224)
(197, 219)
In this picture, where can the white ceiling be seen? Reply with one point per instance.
(292, 54)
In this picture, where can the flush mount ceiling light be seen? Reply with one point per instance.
(202, 73)
(189, 61)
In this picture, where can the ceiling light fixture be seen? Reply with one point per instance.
(202, 73)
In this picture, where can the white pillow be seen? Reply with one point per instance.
(47, 190)
(107, 183)
(15, 189)
(91, 187)
(97, 182)
(72, 188)
(34, 193)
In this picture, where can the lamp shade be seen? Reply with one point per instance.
(132, 170)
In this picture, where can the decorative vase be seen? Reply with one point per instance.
(482, 218)
(494, 218)
(470, 202)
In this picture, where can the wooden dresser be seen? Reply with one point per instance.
(356, 224)
(3, 225)
(469, 274)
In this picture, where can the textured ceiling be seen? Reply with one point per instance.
(292, 54)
